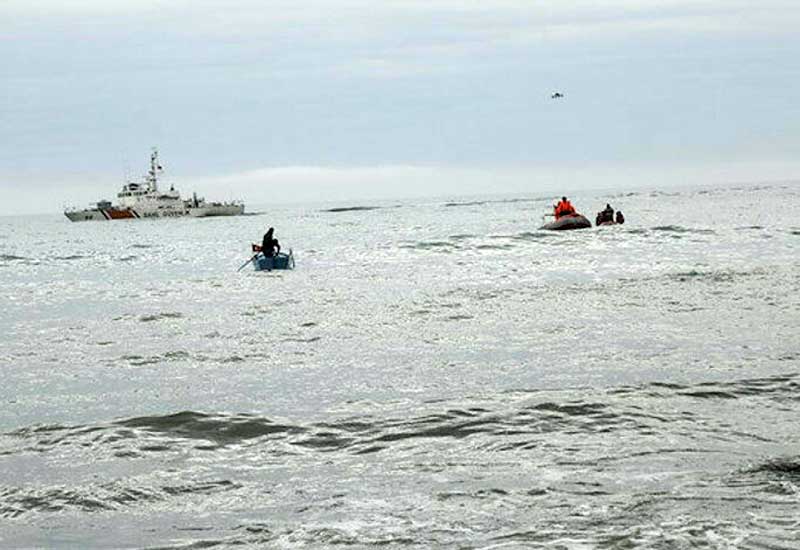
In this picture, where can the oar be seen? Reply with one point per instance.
(247, 262)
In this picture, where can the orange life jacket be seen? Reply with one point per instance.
(563, 208)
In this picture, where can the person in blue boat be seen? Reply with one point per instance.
(269, 245)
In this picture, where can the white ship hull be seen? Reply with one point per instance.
(204, 211)
(231, 209)
(85, 215)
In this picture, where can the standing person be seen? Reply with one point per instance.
(563, 208)
(620, 217)
(270, 244)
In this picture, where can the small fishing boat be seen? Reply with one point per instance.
(568, 221)
(280, 261)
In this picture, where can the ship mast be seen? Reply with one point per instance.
(152, 174)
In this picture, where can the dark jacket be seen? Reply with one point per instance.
(606, 215)
(268, 244)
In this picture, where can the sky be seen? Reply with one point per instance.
(351, 100)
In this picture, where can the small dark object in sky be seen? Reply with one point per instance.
(556, 95)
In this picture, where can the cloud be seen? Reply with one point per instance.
(347, 38)
(387, 39)
(359, 19)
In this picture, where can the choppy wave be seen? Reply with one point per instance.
(496, 420)
(452, 204)
(584, 451)
(219, 429)
(494, 246)
(431, 245)
(469, 241)
(465, 203)
(680, 229)
(353, 209)
(534, 235)
(783, 467)
(716, 276)
(169, 356)
(166, 315)
(13, 258)
(16, 502)
(777, 387)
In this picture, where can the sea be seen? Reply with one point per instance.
(434, 373)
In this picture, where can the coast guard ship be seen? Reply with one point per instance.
(145, 200)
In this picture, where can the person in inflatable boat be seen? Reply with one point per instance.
(563, 208)
(605, 216)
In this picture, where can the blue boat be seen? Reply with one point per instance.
(280, 261)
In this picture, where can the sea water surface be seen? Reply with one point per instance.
(434, 374)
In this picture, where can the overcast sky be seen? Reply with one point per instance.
(292, 100)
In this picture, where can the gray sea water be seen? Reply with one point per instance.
(434, 374)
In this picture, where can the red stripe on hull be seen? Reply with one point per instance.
(114, 214)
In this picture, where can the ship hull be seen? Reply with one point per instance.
(103, 214)
(208, 211)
